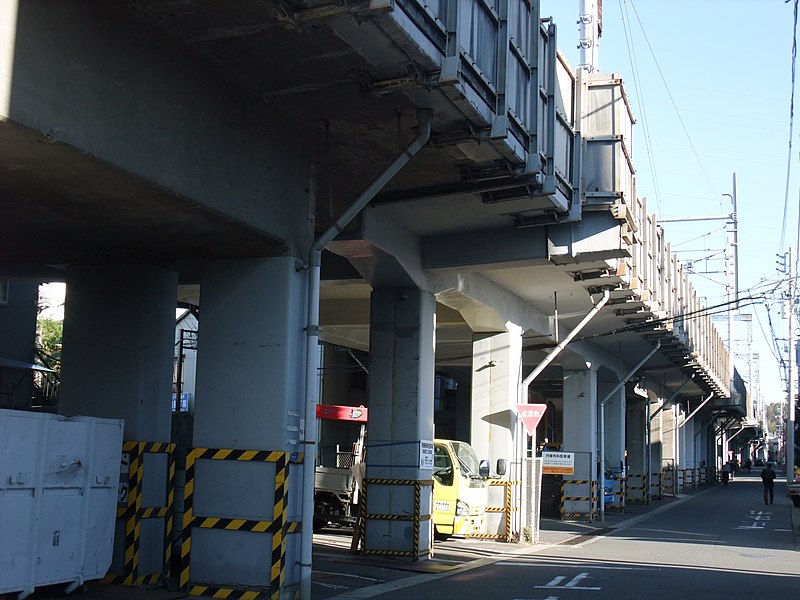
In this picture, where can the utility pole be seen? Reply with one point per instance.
(787, 265)
(790, 417)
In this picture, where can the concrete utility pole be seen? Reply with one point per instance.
(790, 416)
(786, 266)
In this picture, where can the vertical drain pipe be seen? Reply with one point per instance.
(424, 117)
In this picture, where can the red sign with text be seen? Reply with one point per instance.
(342, 413)
(531, 414)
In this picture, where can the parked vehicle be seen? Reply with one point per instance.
(460, 491)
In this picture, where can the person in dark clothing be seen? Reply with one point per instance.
(768, 479)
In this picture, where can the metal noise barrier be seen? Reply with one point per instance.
(416, 518)
(279, 527)
(132, 513)
(506, 510)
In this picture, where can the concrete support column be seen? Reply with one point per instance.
(580, 418)
(496, 368)
(117, 362)
(117, 357)
(401, 376)
(250, 389)
(580, 437)
(615, 410)
(496, 363)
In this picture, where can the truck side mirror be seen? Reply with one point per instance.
(501, 466)
(483, 468)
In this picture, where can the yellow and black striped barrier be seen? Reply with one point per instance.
(690, 478)
(681, 479)
(589, 498)
(278, 527)
(507, 509)
(668, 482)
(618, 492)
(416, 518)
(636, 490)
(132, 513)
(657, 486)
(703, 475)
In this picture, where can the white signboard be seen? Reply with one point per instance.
(558, 463)
(426, 454)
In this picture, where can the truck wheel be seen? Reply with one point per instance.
(319, 524)
(796, 501)
(438, 535)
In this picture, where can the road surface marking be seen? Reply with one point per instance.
(572, 584)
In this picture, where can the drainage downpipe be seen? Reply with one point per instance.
(312, 341)
(557, 350)
(695, 411)
(605, 399)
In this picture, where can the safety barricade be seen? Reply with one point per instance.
(703, 475)
(636, 489)
(279, 527)
(364, 516)
(668, 482)
(681, 480)
(656, 486)
(131, 511)
(618, 493)
(690, 478)
(505, 510)
(586, 494)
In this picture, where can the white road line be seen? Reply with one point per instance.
(348, 575)
(570, 585)
(562, 565)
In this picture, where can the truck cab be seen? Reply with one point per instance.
(460, 491)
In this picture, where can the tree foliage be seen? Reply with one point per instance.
(774, 417)
(48, 341)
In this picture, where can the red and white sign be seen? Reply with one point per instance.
(531, 414)
(342, 413)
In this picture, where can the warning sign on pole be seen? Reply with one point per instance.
(531, 414)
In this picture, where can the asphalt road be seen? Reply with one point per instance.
(720, 543)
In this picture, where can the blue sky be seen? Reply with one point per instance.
(710, 84)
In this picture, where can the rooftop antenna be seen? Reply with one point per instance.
(590, 20)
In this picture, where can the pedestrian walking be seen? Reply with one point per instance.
(768, 479)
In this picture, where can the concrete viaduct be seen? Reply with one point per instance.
(430, 185)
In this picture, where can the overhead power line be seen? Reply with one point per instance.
(674, 105)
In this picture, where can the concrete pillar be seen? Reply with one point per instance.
(249, 397)
(496, 363)
(18, 301)
(636, 435)
(496, 367)
(401, 375)
(117, 357)
(580, 418)
(580, 437)
(615, 410)
(117, 362)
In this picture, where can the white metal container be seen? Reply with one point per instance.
(58, 498)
